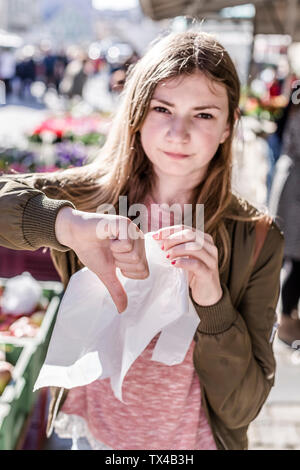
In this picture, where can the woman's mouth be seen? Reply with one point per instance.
(177, 156)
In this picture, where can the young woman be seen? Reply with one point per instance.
(170, 142)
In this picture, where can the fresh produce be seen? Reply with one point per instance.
(23, 324)
(21, 295)
(6, 321)
(5, 374)
(37, 318)
(23, 327)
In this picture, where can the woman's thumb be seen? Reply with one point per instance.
(116, 290)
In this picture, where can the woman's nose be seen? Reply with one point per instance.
(178, 131)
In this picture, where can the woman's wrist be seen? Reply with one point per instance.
(210, 302)
(63, 226)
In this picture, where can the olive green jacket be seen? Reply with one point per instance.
(233, 353)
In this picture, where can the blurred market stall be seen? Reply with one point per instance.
(271, 16)
(27, 315)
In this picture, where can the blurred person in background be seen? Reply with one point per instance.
(278, 94)
(126, 57)
(285, 203)
(117, 80)
(275, 144)
(7, 68)
(60, 65)
(26, 72)
(49, 63)
(75, 76)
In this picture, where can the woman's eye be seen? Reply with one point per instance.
(160, 109)
(205, 115)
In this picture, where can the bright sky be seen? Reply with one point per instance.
(115, 4)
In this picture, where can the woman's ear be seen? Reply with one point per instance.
(225, 133)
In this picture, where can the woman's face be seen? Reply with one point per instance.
(186, 122)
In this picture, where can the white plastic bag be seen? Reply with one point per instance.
(21, 295)
(92, 340)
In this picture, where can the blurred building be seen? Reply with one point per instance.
(67, 21)
(19, 15)
(60, 21)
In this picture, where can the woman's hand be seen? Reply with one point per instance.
(104, 242)
(195, 252)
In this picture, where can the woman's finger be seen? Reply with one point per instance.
(121, 246)
(179, 237)
(201, 255)
(181, 234)
(131, 268)
(130, 258)
(192, 265)
(132, 275)
(116, 290)
(192, 249)
(166, 232)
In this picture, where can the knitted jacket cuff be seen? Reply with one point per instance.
(39, 222)
(217, 318)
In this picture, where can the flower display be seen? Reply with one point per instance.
(58, 142)
(69, 154)
(262, 108)
(90, 130)
(64, 155)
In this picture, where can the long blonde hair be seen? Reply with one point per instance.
(123, 169)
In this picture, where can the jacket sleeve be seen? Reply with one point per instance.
(27, 215)
(233, 353)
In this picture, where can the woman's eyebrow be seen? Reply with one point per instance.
(196, 108)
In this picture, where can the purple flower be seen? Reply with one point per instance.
(68, 153)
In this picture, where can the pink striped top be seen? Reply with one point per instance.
(162, 404)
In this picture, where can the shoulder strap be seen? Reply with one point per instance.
(261, 230)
